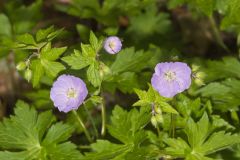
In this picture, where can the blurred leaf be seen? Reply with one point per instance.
(130, 61)
(6, 29)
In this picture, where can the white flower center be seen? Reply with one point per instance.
(71, 93)
(170, 76)
(112, 44)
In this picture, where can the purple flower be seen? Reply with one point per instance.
(171, 78)
(68, 93)
(112, 45)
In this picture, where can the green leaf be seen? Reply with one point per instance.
(58, 133)
(88, 51)
(206, 6)
(130, 61)
(94, 42)
(152, 97)
(202, 141)
(225, 95)
(38, 72)
(232, 16)
(157, 23)
(228, 67)
(53, 53)
(64, 151)
(177, 147)
(219, 141)
(52, 68)
(23, 136)
(104, 149)
(77, 60)
(6, 29)
(47, 34)
(93, 74)
(26, 39)
(127, 126)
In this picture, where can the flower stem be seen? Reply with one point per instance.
(217, 34)
(158, 131)
(92, 121)
(103, 108)
(82, 125)
(172, 129)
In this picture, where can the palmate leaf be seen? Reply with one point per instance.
(204, 6)
(29, 136)
(87, 58)
(225, 95)
(77, 60)
(127, 127)
(129, 60)
(157, 23)
(228, 67)
(232, 16)
(106, 150)
(202, 141)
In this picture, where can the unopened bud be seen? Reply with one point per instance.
(154, 121)
(28, 74)
(159, 118)
(21, 66)
(199, 78)
(104, 70)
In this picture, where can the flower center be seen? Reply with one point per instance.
(170, 76)
(71, 93)
(112, 44)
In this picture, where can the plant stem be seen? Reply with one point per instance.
(158, 131)
(92, 121)
(172, 130)
(103, 108)
(82, 125)
(217, 34)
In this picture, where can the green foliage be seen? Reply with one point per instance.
(225, 92)
(201, 123)
(33, 136)
(88, 57)
(107, 12)
(130, 60)
(127, 127)
(157, 23)
(201, 141)
(45, 62)
(152, 97)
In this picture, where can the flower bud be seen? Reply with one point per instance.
(158, 110)
(154, 121)
(21, 66)
(112, 45)
(159, 118)
(28, 74)
(199, 78)
(104, 70)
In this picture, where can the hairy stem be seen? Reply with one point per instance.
(92, 121)
(77, 116)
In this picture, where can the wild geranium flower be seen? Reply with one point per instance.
(68, 93)
(113, 45)
(171, 78)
